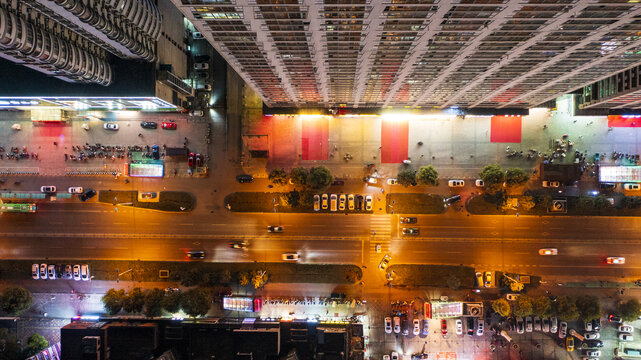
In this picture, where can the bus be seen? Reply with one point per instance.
(18, 208)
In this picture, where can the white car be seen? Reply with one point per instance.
(350, 201)
(84, 272)
(368, 203)
(111, 126)
(563, 330)
(201, 66)
(537, 323)
(554, 325)
(48, 189)
(43, 271)
(622, 328)
(631, 187)
(593, 353)
(554, 184)
(626, 337)
(290, 257)
(316, 202)
(592, 335)
(616, 260)
(342, 200)
(386, 357)
(459, 327)
(196, 113)
(394, 355)
(35, 271)
(75, 190)
(520, 328)
(479, 183)
(548, 251)
(588, 326)
(417, 327)
(545, 326)
(456, 183)
(388, 325)
(392, 181)
(528, 324)
(76, 272)
(511, 297)
(480, 327)
(397, 325)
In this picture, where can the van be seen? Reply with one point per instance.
(201, 66)
(631, 186)
(480, 327)
(333, 202)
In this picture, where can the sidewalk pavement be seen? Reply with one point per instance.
(458, 148)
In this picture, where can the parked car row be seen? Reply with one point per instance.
(400, 324)
(60, 271)
(547, 325)
(625, 330)
(475, 326)
(343, 202)
(194, 159)
(84, 194)
(484, 279)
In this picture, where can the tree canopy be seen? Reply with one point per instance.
(298, 176)
(629, 310)
(134, 301)
(502, 307)
(493, 176)
(278, 176)
(566, 308)
(516, 176)
(406, 177)
(196, 302)
(153, 302)
(172, 301)
(541, 306)
(589, 307)
(113, 300)
(427, 175)
(15, 300)
(522, 306)
(319, 178)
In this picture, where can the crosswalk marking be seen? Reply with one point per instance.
(380, 233)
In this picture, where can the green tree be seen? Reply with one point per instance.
(516, 176)
(406, 177)
(196, 302)
(493, 176)
(278, 176)
(293, 198)
(243, 278)
(522, 306)
(589, 307)
(541, 306)
(171, 301)
(36, 343)
(453, 282)
(134, 301)
(16, 300)
(427, 175)
(629, 310)
(298, 176)
(501, 307)
(259, 278)
(319, 178)
(566, 308)
(153, 302)
(113, 300)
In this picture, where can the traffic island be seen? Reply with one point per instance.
(412, 203)
(278, 202)
(192, 273)
(170, 201)
(451, 276)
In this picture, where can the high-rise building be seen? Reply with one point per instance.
(419, 53)
(71, 39)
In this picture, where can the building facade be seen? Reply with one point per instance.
(419, 53)
(72, 39)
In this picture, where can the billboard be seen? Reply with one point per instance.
(619, 174)
(240, 303)
(146, 170)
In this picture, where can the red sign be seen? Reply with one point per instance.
(427, 310)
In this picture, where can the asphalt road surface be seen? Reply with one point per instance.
(97, 231)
